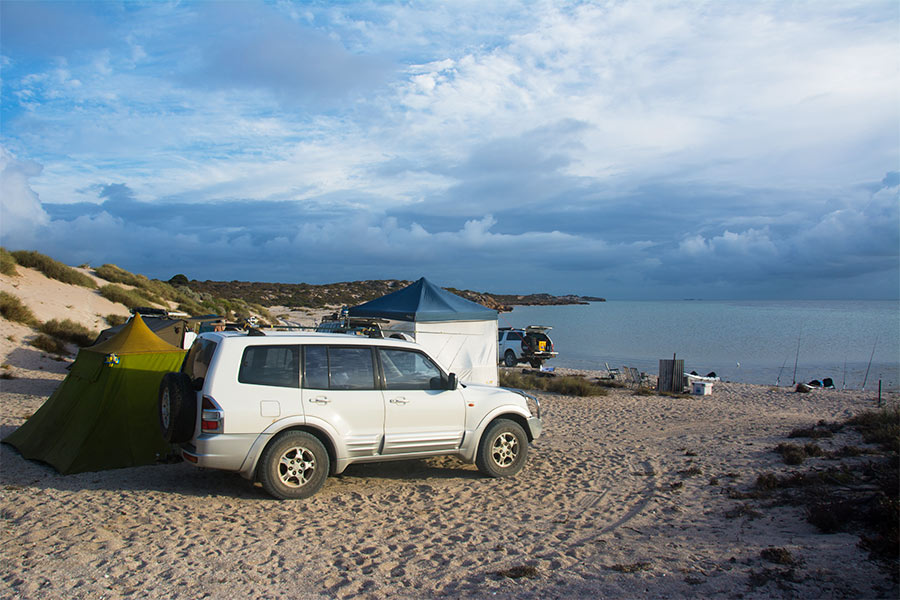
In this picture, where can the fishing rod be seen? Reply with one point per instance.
(844, 377)
(866, 378)
(797, 358)
(778, 380)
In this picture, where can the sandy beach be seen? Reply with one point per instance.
(624, 496)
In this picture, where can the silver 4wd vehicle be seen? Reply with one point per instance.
(531, 345)
(288, 409)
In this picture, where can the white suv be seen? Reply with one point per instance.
(287, 409)
(531, 345)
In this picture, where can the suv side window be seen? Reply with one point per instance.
(407, 370)
(338, 368)
(513, 336)
(196, 363)
(315, 367)
(277, 366)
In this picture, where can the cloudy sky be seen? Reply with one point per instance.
(624, 149)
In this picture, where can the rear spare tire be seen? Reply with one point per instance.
(177, 408)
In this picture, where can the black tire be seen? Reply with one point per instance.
(503, 449)
(509, 359)
(293, 466)
(535, 363)
(176, 408)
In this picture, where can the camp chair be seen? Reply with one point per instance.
(634, 377)
(613, 372)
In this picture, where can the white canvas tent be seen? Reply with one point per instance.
(459, 333)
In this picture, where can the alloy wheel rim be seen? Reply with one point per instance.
(505, 449)
(296, 466)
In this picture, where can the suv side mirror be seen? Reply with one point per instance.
(452, 383)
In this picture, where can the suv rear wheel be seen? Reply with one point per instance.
(509, 359)
(503, 449)
(294, 465)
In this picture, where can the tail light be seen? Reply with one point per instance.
(212, 418)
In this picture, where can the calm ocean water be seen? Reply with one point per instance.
(746, 341)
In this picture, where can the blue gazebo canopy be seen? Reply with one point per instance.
(423, 301)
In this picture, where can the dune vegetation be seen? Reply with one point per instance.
(52, 268)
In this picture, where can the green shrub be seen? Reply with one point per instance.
(154, 290)
(69, 331)
(880, 427)
(120, 295)
(791, 453)
(148, 296)
(7, 263)
(49, 344)
(568, 385)
(191, 308)
(113, 319)
(12, 309)
(53, 268)
(115, 274)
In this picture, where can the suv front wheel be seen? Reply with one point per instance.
(503, 449)
(294, 465)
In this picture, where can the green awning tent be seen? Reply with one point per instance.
(103, 415)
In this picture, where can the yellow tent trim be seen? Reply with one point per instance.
(134, 338)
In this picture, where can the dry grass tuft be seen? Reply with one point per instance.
(691, 471)
(518, 572)
(632, 567)
(49, 344)
(880, 427)
(568, 385)
(854, 496)
(742, 510)
(12, 309)
(53, 268)
(69, 331)
(120, 295)
(112, 319)
(779, 556)
(7, 263)
(792, 454)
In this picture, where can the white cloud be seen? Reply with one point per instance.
(499, 127)
(22, 213)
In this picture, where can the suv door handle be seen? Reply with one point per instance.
(399, 400)
(320, 400)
